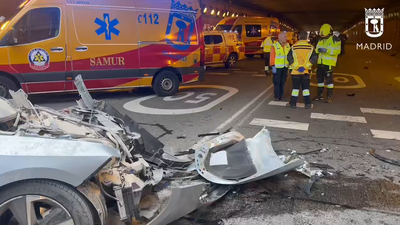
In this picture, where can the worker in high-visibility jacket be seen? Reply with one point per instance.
(301, 57)
(328, 49)
(280, 64)
(267, 45)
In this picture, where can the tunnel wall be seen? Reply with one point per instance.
(391, 33)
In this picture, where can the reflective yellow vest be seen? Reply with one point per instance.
(333, 46)
(281, 55)
(267, 44)
(302, 52)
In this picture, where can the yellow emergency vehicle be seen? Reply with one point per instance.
(252, 31)
(113, 44)
(223, 48)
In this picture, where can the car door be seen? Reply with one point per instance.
(220, 49)
(208, 41)
(37, 51)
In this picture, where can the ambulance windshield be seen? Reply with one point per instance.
(223, 27)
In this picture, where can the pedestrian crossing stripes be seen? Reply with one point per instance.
(279, 103)
(380, 111)
(384, 134)
(280, 124)
(344, 118)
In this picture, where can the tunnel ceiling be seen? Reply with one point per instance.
(311, 14)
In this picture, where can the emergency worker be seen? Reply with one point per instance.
(328, 49)
(301, 57)
(279, 63)
(267, 45)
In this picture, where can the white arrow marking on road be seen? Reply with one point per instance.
(381, 111)
(384, 134)
(344, 118)
(135, 106)
(280, 124)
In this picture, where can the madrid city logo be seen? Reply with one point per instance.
(374, 20)
(39, 59)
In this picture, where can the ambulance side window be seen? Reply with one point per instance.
(253, 30)
(238, 29)
(218, 39)
(208, 39)
(37, 25)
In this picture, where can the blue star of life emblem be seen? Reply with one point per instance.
(107, 27)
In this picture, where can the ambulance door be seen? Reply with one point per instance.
(37, 48)
(253, 38)
(218, 48)
(103, 45)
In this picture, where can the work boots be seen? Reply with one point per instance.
(318, 97)
(329, 99)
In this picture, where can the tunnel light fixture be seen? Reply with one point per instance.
(218, 13)
(227, 13)
(223, 15)
(205, 10)
(237, 15)
(233, 15)
(212, 12)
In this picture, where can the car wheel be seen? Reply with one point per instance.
(166, 83)
(43, 202)
(250, 56)
(6, 84)
(231, 61)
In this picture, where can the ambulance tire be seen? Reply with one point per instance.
(6, 84)
(232, 60)
(166, 83)
(250, 56)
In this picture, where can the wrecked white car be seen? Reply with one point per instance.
(75, 166)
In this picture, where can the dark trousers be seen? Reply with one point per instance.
(279, 81)
(302, 81)
(324, 73)
(266, 58)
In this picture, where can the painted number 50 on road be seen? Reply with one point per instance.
(135, 106)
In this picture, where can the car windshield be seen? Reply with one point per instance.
(223, 27)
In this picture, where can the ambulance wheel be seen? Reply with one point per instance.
(232, 60)
(166, 83)
(6, 84)
(250, 56)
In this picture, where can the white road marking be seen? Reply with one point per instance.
(384, 134)
(323, 116)
(247, 72)
(280, 124)
(230, 119)
(381, 111)
(360, 82)
(279, 103)
(135, 106)
(258, 75)
(221, 74)
(397, 78)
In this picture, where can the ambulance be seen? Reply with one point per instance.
(223, 48)
(113, 44)
(252, 30)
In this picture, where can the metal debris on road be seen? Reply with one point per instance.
(384, 159)
(208, 134)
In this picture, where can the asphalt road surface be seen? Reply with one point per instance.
(364, 115)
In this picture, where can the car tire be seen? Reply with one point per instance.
(231, 61)
(6, 84)
(166, 83)
(66, 197)
(250, 56)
